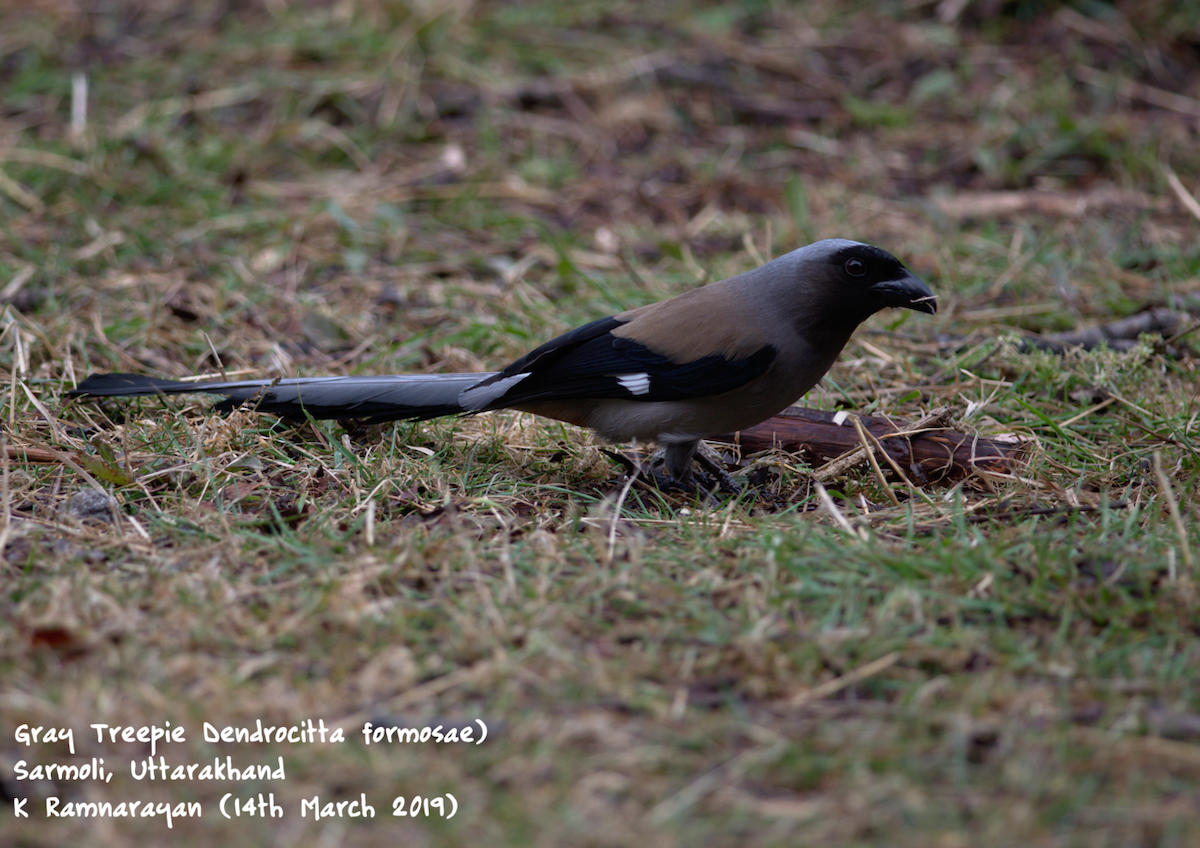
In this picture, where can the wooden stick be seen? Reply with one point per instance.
(930, 452)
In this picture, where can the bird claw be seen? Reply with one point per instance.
(711, 461)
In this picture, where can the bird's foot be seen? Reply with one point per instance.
(650, 470)
(711, 477)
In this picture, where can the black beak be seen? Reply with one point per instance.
(908, 292)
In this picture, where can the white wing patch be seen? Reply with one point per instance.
(635, 384)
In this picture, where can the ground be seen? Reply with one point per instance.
(364, 187)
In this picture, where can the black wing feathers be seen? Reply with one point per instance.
(709, 375)
(588, 362)
(547, 356)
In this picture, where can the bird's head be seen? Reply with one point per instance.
(830, 287)
(870, 279)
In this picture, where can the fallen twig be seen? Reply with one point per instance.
(932, 452)
(1121, 334)
(1000, 204)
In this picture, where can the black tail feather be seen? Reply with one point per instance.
(115, 385)
(368, 399)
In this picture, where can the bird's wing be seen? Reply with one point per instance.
(592, 362)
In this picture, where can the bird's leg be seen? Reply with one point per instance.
(677, 460)
(649, 470)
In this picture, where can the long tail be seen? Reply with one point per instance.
(370, 399)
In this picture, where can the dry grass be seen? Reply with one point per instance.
(375, 187)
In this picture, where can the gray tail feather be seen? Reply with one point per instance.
(370, 399)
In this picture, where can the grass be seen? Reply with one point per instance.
(384, 187)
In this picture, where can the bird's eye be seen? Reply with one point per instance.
(855, 267)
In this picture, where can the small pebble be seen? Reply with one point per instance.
(90, 503)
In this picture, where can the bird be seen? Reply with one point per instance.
(715, 359)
